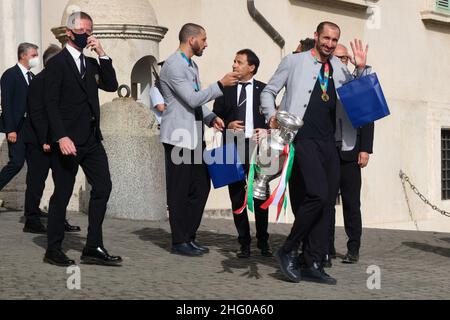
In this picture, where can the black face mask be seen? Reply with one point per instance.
(80, 40)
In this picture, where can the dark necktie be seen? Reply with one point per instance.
(29, 77)
(242, 103)
(82, 66)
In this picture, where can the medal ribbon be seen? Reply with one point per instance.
(322, 79)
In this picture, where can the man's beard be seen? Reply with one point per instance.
(197, 51)
(323, 52)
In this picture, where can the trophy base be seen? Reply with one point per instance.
(261, 193)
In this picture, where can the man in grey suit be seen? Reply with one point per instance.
(311, 79)
(182, 122)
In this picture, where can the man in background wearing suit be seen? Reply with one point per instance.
(14, 90)
(350, 183)
(73, 109)
(35, 137)
(187, 179)
(239, 107)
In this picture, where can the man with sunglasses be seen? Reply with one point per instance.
(351, 161)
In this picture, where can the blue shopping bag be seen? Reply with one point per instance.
(363, 100)
(224, 165)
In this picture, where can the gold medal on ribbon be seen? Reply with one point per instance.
(325, 97)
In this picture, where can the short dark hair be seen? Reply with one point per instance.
(23, 48)
(50, 52)
(189, 30)
(322, 25)
(252, 58)
(77, 15)
(307, 44)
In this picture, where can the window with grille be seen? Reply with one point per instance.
(443, 5)
(445, 160)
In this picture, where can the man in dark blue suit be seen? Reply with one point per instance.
(14, 89)
(35, 135)
(239, 107)
(71, 100)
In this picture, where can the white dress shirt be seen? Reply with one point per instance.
(24, 71)
(155, 99)
(76, 56)
(249, 127)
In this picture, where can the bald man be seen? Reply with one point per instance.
(341, 52)
(350, 182)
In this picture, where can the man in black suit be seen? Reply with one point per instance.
(35, 137)
(14, 89)
(239, 107)
(71, 100)
(350, 183)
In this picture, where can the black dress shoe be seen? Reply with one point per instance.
(99, 255)
(34, 227)
(315, 273)
(185, 249)
(332, 253)
(350, 258)
(43, 215)
(265, 250)
(244, 252)
(69, 228)
(288, 262)
(327, 261)
(57, 258)
(301, 263)
(195, 245)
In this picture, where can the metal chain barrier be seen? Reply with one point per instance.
(405, 178)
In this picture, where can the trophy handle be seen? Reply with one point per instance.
(290, 136)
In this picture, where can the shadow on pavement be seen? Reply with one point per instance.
(227, 246)
(429, 248)
(72, 241)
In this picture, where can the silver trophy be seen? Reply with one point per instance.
(270, 158)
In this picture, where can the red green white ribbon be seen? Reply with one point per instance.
(278, 197)
(248, 201)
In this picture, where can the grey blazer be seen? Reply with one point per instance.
(178, 87)
(297, 73)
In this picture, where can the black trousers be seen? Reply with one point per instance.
(92, 158)
(188, 188)
(350, 186)
(16, 153)
(237, 192)
(317, 163)
(296, 188)
(38, 166)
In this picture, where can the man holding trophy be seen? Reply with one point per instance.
(311, 79)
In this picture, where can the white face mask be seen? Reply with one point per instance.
(33, 62)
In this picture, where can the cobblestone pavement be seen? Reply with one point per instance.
(414, 265)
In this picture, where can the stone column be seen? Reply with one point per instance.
(8, 33)
(20, 21)
(32, 22)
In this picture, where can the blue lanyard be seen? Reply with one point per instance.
(196, 84)
(186, 58)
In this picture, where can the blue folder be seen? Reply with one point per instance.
(224, 165)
